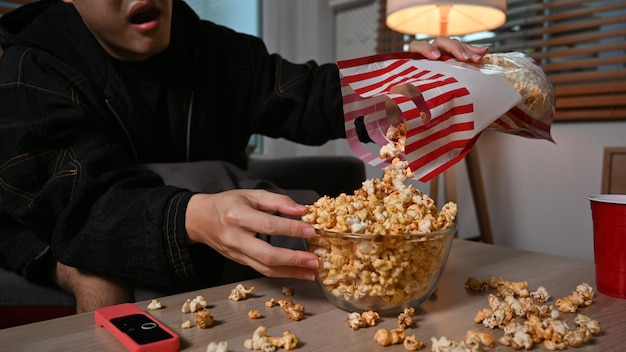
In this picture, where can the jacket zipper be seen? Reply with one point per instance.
(189, 115)
(119, 121)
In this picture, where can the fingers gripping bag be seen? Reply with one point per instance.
(431, 112)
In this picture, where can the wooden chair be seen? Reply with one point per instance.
(614, 170)
(478, 193)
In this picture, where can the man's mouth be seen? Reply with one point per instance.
(144, 15)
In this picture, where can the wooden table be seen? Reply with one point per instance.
(324, 328)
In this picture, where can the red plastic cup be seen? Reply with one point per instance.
(608, 212)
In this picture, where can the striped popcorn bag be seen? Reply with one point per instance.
(442, 106)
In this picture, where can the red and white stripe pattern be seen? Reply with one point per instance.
(455, 114)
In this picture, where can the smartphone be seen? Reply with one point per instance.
(136, 329)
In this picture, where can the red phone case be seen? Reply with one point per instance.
(103, 317)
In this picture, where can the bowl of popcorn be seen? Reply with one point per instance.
(383, 248)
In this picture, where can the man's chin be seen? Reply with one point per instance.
(139, 51)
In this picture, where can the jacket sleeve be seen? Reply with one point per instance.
(301, 102)
(64, 179)
(308, 98)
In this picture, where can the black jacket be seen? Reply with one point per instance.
(74, 128)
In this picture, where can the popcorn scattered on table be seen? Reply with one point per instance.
(411, 343)
(295, 311)
(386, 337)
(526, 324)
(405, 319)
(204, 319)
(155, 304)
(262, 341)
(472, 342)
(240, 293)
(362, 320)
(221, 346)
(582, 297)
(254, 314)
(194, 305)
(272, 302)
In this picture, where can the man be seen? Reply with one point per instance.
(90, 90)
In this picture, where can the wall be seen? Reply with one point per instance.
(536, 190)
(240, 15)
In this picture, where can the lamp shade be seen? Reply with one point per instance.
(445, 17)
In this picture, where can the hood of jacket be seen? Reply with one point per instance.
(60, 31)
(57, 28)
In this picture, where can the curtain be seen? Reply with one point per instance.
(580, 44)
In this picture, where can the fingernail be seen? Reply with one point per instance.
(435, 54)
(465, 55)
(309, 277)
(313, 264)
(475, 57)
(301, 207)
(308, 232)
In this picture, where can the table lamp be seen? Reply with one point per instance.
(445, 17)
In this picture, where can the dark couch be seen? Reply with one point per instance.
(22, 302)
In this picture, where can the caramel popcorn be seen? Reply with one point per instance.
(582, 297)
(527, 78)
(259, 340)
(386, 337)
(397, 139)
(473, 283)
(411, 343)
(370, 317)
(221, 346)
(382, 207)
(442, 344)
(355, 321)
(510, 288)
(526, 324)
(203, 319)
(288, 291)
(405, 319)
(476, 340)
(194, 305)
(388, 268)
(262, 341)
(295, 311)
(155, 304)
(472, 342)
(365, 319)
(289, 340)
(516, 336)
(254, 314)
(541, 295)
(240, 293)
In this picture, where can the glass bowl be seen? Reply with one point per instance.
(384, 273)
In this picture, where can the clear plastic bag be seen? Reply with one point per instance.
(535, 113)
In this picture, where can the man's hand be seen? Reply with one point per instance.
(229, 222)
(452, 47)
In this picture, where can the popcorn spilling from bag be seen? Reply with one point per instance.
(382, 206)
(430, 113)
